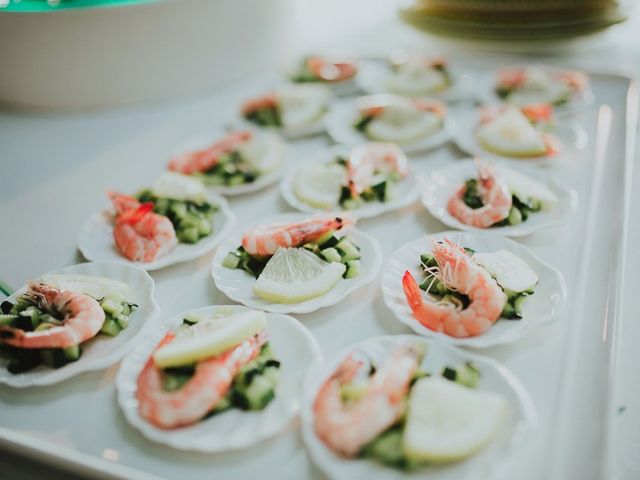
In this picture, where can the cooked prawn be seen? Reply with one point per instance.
(496, 199)
(347, 427)
(206, 158)
(139, 233)
(375, 105)
(331, 71)
(266, 239)
(82, 319)
(200, 394)
(458, 271)
(270, 100)
(367, 159)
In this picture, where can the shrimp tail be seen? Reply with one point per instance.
(416, 303)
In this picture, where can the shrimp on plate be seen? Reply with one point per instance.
(139, 233)
(209, 384)
(457, 270)
(375, 157)
(206, 158)
(346, 427)
(496, 198)
(82, 318)
(265, 240)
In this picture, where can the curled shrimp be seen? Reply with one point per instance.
(496, 199)
(201, 393)
(266, 239)
(82, 319)
(206, 158)
(270, 100)
(375, 105)
(139, 233)
(331, 71)
(347, 427)
(458, 271)
(367, 159)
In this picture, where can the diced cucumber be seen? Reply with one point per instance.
(353, 269)
(327, 239)
(123, 321)
(237, 179)
(515, 217)
(112, 306)
(468, 375)
(8, 319)
(312, 247)
(34, 315)
(6, 307)
(330, 255)
(518, 304)
(72, 353)
(352, 392)
(427, 261)
(508, 311)
(388, 449)
(110, 327)
(352, 204)
(47, 357)
(347, 250)
(429, 284)
(231, 260)
(44, 326)
(204, 228)
(179, 209)
(256, 396)
(382, 190)
(188, 235)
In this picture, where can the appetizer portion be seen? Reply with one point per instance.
(499, 197)
(176, 209)
(239, 158)
(48, 323)
(397, 413)
(206, 366)
(518, 132)
(391, 118)
(466, 292)
(532, 85)
(290, 107)
(321, 69)
(293, 262)
(367, 173)
(417, 75)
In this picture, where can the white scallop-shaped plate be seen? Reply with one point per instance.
(441, 184)
(578, 102)
(101, 351)
(238, 284)
(373, 75)
(489, 463)
(463, 122)
(405, 193)
(263, 181)
(292, 344)
(344, 114)
(95, 240)
(543, 307)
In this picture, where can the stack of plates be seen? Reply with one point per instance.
(518, 20)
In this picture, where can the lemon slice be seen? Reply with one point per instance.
(302, 105)
(319, 185)
(264, 152)
(511, 133)
(96, 287)
(414, 79)
(295, 274)
(178, 187)
(509, 270)
(447, 422)
(209, 337)
(402, 123)
(527, 187)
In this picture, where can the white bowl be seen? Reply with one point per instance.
(487, 463)
(343, 115)
(441, 184)
(405, 192)
(95, 240)
(292, 344)
(543, 307)
(102, 351)
(238, 284)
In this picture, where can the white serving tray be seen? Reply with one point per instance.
(566, 367)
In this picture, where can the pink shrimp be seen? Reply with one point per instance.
(496, 199)
(375, 105)
(367, 159)
(269, 100)
(82, 319)
(458, 271)
(331, 71)
(200, 394)
(266, 239)
(577, 81)
(206, 158)
(139, 233)
(347, 427)
(511, 78)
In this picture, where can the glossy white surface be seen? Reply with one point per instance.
(293, 346)
(544, 306)
(93, 151)
(489, 462)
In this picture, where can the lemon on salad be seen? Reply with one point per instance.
(319, 185)
(96, 287)
(403, 123)
(511, 133)
(293, 275)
